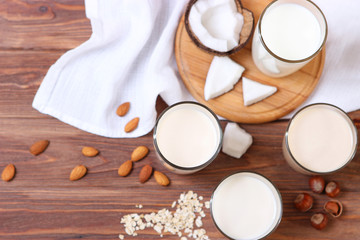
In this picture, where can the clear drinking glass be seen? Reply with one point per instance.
(187, 137)
(275, 50)
(320, 139)
(246, 205)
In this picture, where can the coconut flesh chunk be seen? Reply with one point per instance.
(216, 23)
(236, 140)
(223, 74)
(254, 92)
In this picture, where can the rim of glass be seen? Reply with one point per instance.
(284, 59)
(270, 182)
(351, 124)
(216, 126)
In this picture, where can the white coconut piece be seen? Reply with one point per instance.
(216, 23)
(254, 91)
(238, 25)
(236, 140)
(214, 3)
(223, 74)
(202, 6)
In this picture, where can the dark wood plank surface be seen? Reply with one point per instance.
(41, 202)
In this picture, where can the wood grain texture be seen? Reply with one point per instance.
(34, 24)
(42, 203)
(293, 90)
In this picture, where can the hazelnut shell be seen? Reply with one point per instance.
(334, 208)
(245, 34)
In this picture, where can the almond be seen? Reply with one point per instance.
(123, 109)
(8, 172)
(39, 147)
(139, 153)
(145, 173)
(161, 178)
(89, 151)
(78, 172)
(131, 125)
(125, 168)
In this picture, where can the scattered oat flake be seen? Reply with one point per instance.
(187, 217)
(198, 222)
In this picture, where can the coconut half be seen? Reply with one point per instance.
(220, 27)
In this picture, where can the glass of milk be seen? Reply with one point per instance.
(288, 35)
(320, 139)
(246, 205)
(187, 137)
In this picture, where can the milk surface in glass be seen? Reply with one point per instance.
(246, 206)
(187, 135)
(321, 138)
(289, 31)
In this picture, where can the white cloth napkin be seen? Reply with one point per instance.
(130, 58)
(340, 81)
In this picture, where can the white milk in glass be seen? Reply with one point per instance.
(246, 206)
(320, 139)
(292, 33)
(297, 37)
(187, 137)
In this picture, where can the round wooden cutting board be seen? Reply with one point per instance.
(194, 63)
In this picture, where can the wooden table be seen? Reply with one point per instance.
(41, 202)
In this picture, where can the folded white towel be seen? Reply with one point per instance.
(130, 58)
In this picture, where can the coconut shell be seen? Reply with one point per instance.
(245, 34)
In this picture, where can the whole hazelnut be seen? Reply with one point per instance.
(317, 184)
(332, 189)
(304, 202)
(334, 208)
(319, 220)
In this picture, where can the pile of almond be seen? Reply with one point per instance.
(146, 172)
(80, 171)
(121, 111)
(38, 147)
